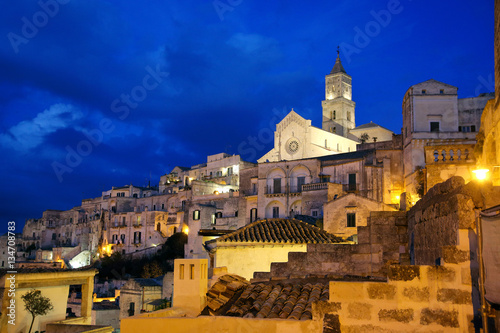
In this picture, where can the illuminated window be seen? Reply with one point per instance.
(196, 215)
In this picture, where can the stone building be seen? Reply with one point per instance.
(284, 189)
(254, 247)
(137, 294)
(488, 138)
(439, 134)
(295, 137)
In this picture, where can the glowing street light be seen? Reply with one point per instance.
(481, 173)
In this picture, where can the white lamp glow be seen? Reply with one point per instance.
(481, 174)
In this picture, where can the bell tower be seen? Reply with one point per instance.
(338, 107)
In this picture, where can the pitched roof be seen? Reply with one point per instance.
(233, 296)
(371, 124)
(279, 231)
(338, 68)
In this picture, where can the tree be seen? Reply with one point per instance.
(364, 137)
(36, 304)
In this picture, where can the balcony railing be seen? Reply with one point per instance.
(315, 187)
(350, 187)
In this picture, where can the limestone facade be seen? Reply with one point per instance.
(438, 128)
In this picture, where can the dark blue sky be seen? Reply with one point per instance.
(166, 83)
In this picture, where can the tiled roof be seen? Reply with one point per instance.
(224, 290)
(279, 231)
(31, 270)
(283, 300)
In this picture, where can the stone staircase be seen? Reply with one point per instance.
(383, 241)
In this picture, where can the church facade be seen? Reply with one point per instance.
(295, 138)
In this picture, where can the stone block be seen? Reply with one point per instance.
(363, 235)
(441, 273)
(381, 291)
(361, 258)
(453, 255)
(320, 308)
(362, 248)
(466, 276)
(298, 256)
(417, 294)
(367, 328)
(331, 323)
(401, 315)
(402, 230)
(360, 311)
(403, 273)
(262, 275)
(455, 296)
(342, 291)
(438, 316)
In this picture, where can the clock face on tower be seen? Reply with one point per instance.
(292, 146)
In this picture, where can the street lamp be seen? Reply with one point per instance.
(481, 173)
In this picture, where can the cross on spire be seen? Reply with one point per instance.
(338, 50)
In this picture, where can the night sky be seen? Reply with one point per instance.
(97, 94)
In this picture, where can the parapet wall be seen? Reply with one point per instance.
(418, 298)
(383, 241)
(447, 207)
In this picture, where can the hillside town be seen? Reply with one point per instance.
(345, 227)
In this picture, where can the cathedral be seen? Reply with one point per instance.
(295, 137)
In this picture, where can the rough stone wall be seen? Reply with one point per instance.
(381, 242)
(416, 298)
(448, 207)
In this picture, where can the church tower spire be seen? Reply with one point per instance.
(338, 107)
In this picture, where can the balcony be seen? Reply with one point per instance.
(314, 187)
(137, 225)
(350, 187)
(121, 225)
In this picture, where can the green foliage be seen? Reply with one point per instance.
(419, 177)
(364, 137)
(36, 304)
(174, 246)
(117, 266)
(152, 270)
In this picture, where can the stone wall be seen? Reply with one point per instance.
(447, 208)
(418, 298)
(383, 241)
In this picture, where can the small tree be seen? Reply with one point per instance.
(36, 304)
(364, 137)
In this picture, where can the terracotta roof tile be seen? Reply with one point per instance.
(282, 300)
(279, 231)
